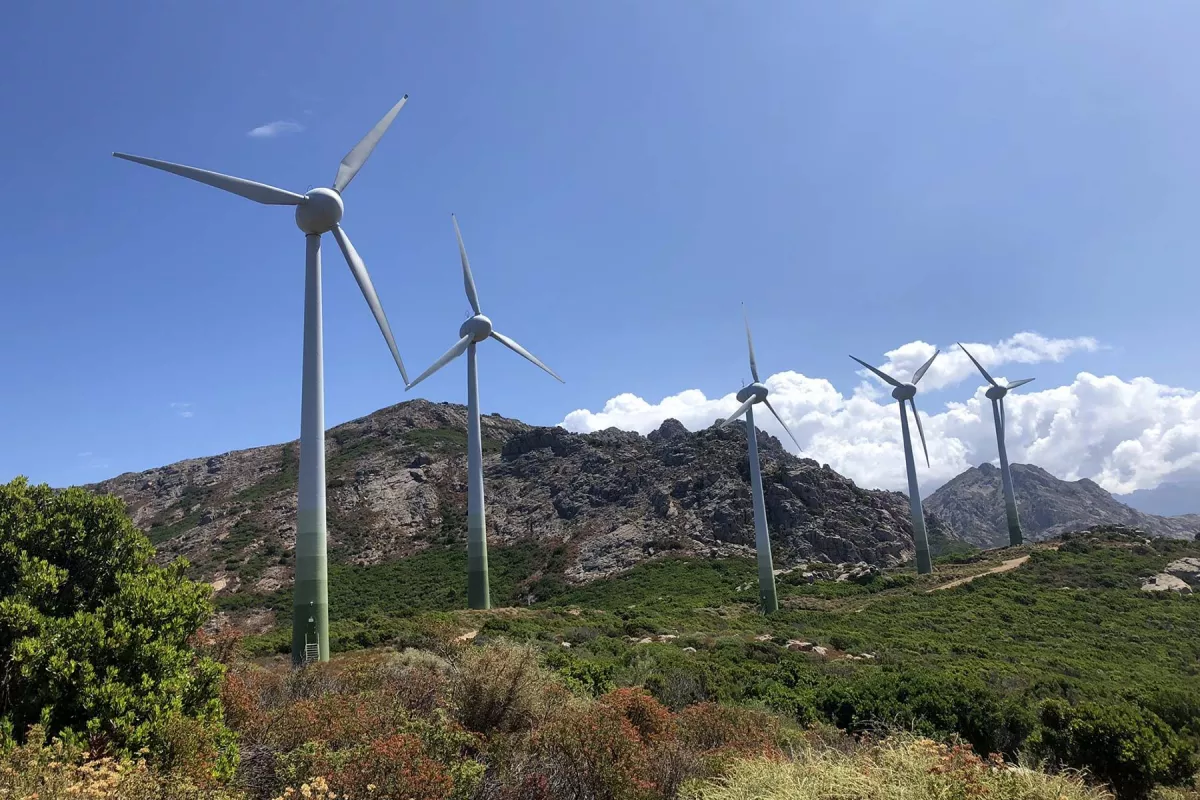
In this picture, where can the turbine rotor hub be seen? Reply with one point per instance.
(996, 393)
(320, 211)
(906, 392)
(755, 390)
(477, 327)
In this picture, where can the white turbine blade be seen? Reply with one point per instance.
(741, 410)
(978, 365)
(920, 429)
(521, 351)
(781, 422)
(468, 279)
(1021, 382)
(750, 344)
(251, 190)
(888, 378)
(354, 160)
(454, 352)
(368, 289)
(920, 373)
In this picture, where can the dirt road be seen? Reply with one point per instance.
(1012, 563)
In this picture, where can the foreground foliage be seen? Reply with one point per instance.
(94, 635)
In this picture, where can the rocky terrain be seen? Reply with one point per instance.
(397, 485)
(972, 505)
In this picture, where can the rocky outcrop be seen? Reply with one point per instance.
(972, 504)
(397, 484)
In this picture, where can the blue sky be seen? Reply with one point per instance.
(862, 175)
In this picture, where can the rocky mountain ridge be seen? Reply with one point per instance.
(972, 505)
(608, 500)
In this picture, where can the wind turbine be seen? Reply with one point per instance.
(903, 392)
(749, 396)
(475, 330)
(996, 393)
(317, 212)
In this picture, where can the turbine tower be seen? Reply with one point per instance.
(749, 396)
(903, 392)
(475, 330)
(996, 393)
(317, 212)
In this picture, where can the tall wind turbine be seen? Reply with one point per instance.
(903, 392)
(996, 393)
(317, 212)
(749, 396)
(475, 330)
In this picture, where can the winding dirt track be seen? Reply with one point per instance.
(1012, 563)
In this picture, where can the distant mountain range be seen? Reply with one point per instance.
(972, 505)
(601, 502)
(1170, 499)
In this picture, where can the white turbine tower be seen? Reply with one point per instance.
(996, 393)
(475, 330)
(903, 392)
(749, 396)
(317, 212)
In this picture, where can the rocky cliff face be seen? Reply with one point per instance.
(397, 484)
(972, 504)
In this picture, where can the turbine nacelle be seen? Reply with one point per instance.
(755, 390)
(996, 392)
(321, 210)
(477, 327)
(905, 391)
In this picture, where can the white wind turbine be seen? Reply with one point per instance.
(903, 392)
(749, 396)
(317, 212)
(475, 330)
(996, 394)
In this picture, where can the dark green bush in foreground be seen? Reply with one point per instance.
(94, 635)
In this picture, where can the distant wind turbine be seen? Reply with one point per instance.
(473, 331)
(748, 396)
(318, 211)
(903, 392)
(996, 394)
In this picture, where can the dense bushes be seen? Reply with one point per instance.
(94, 635)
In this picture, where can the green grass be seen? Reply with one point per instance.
(447, 439)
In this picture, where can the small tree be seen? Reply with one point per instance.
(93, 634)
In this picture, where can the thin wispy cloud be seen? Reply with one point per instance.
(183, 409)
(279, 127)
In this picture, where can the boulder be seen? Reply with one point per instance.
(1164, 582)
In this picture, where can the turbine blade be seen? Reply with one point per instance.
(251, 190)
(358, 156)
(468, 279)
(521, 351)
(750, 344)
(920, 429)
(781, 422)
(920, 373)
(978, 366)
(368, 289)
(454, 352)
(1021, 382)
(741, 410)
(888, 378)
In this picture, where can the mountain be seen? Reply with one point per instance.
(1177, 497)
(972, 504)
(603, 501)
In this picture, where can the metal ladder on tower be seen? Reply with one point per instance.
(312, 650)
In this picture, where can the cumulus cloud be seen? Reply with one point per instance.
(1123, 434)
(183, 409)
(277, 128)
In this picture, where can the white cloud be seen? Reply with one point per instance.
(277, 128)
(84, 454)
(1124, 434)
(183, 409)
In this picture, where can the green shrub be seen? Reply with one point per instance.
(1126, 746)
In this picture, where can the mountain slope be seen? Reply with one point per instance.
(605, 501)
(972, 504)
